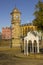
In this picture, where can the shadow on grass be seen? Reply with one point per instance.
(4, 56)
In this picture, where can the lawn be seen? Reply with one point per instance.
(11, 56)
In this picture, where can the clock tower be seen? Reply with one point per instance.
(16, 33)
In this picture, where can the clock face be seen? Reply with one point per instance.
(17, 16)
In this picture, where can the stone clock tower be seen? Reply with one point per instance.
(16, 33)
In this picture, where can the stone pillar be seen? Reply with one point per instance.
(27, 47)
(37, 47)
(24, 48)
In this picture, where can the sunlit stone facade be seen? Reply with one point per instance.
(16, 33)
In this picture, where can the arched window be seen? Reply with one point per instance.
(25, 31)
(28, 29)
(35, 46)
(30, 46)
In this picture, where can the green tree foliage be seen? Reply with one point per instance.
(38, 21)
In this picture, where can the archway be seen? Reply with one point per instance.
(30, 46)
(35, 46)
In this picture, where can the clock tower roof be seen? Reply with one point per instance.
(15, 10)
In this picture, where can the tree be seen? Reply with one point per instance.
(38, 21)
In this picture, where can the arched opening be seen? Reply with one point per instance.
(30, 46)
(28, 29)
(35, 46)
(25, 31)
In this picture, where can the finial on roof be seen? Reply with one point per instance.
(15, 10)
(15, 5)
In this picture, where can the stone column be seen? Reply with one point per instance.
(24, 48)
(27, 47)
(32, 48)
(37, 47)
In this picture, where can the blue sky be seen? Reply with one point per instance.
(26, 7)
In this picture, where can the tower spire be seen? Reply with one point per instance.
(15, 5)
